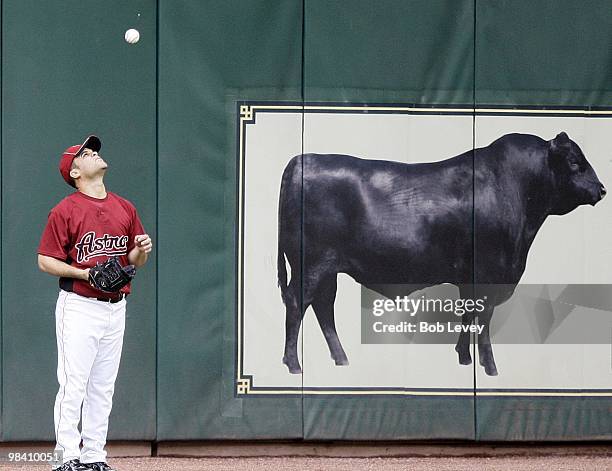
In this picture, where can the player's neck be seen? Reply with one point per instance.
(93, 188)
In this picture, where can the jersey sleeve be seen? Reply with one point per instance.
(55, 238)
(135, 228)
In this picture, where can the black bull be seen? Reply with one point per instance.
(465, 220)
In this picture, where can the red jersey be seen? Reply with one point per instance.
(82, 231)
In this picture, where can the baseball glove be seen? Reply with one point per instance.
(110, 276)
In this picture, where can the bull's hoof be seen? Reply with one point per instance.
(485, 358)
(341, 361)
(465, 358)
(490, 369)
(293, 366)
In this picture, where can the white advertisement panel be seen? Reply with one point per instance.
(569, 250)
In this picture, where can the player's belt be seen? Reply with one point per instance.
(107, 299)
(114, 299)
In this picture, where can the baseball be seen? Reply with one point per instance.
(132, 36)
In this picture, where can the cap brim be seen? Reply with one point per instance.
(92, 142)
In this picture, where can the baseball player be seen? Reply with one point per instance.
(87, 228)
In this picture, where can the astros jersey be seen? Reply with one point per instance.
(82, 231)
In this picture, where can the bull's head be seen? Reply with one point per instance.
(575, 181)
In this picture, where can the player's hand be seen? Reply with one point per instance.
(143, 243)
(85, 274)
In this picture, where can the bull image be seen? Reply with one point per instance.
(467, 220)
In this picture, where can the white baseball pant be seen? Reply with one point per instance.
(89, 342)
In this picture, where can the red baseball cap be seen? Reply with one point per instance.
(92, 142)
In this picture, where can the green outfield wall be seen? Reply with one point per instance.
(184, 125)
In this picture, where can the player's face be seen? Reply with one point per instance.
(90, 162)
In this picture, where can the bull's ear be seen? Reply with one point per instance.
(560, 145)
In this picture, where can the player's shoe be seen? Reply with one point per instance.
(98, 466)
(72, 465)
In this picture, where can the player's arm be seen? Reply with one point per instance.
(140, 253)
(56, 267)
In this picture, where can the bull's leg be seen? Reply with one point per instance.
(485, 351)
(463, 343)
(323, 305)
(293, 321)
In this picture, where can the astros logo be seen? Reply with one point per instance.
(91, 246)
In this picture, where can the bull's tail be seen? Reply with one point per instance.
(284, 225)
(282, 273)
